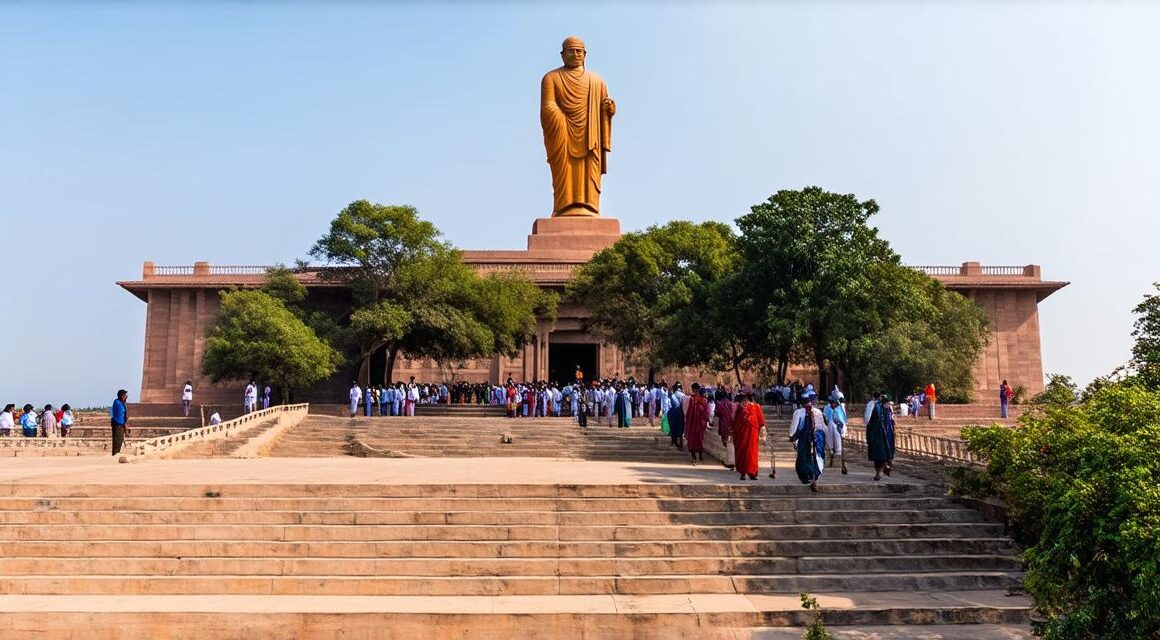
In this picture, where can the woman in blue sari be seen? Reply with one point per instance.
(880, 437)
(809, 437)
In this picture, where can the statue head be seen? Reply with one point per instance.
(573, 52)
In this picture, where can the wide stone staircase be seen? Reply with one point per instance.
(509, 540)
(438, 436)
(676, 555)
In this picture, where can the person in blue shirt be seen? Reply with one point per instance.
(28, 422)
(119, 419)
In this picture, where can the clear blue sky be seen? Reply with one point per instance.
(1007, 134)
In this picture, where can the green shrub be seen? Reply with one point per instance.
(1082, 483)
(817, 628)
(1019, 394)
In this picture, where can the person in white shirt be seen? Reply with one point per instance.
(251, 398)
(216, 418)
(66, 420)
(355, 396)
(186, 398)
(7, 420)
(807, 429)
(412, 397)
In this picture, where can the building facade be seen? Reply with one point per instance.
(182, 303)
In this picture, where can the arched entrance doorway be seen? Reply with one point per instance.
(564, 357)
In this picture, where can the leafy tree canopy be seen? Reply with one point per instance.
(257, 337)
(635, 288)
(1059, 391)
(815, 277)
(1146, 351)
(415, 295)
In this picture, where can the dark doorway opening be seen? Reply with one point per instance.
(378, 366)
(563, 359)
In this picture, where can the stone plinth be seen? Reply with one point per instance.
(573, 233)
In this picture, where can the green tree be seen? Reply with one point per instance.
(1060, 391)
(921, 333)
(257, 337)
(641, 290)
(1082, 484)
(281, 284)
(413, 293)
(1146, 351)
(807, 265)
(817, 280)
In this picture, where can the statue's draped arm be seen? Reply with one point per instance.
(554, 123)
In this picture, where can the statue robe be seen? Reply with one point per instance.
(577, 136)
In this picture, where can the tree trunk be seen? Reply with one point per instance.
(736, 363)
(388, 376)
(652, 375)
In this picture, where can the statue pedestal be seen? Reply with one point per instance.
(573, 233)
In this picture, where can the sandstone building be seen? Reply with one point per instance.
(182, 303)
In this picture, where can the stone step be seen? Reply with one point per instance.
(952, 630)
(645, 505)
(491, 533)
(565, 549)
(225, 446)
(841, 566)
(431, 491)
(694, 615)
(510, 517)
(498, 585)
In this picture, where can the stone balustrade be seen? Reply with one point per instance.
(172, 443)
(17, 444)
(922, 445)
(151, 270)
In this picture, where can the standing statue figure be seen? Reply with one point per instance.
(576, 114)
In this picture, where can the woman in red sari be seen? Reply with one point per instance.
(747, 423)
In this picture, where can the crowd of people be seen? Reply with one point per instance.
(732, 413)
(49, 423)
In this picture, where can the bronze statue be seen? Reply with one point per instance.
(576, 114)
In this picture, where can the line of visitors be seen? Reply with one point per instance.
(49, 423)
(398, 399)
